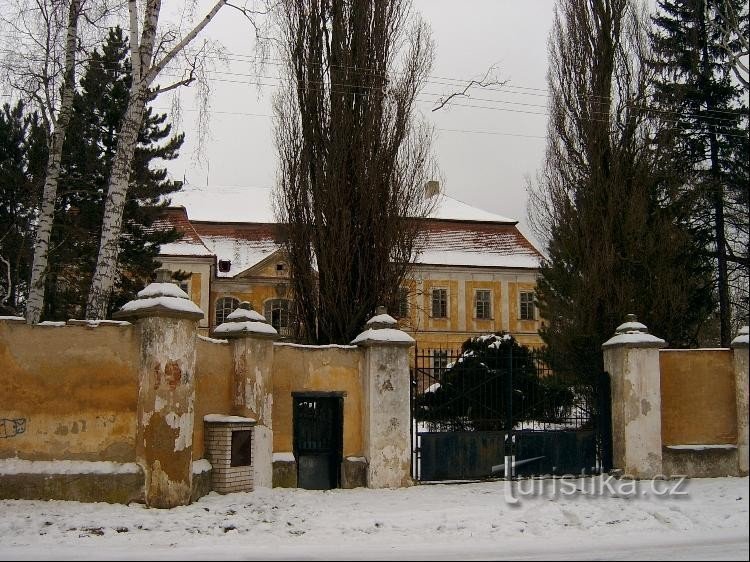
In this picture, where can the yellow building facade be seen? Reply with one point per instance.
(475, 273)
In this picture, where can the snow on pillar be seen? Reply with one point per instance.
(631, 357)
(740, 359)
(387, 415)
(252, 349)
(168, 323)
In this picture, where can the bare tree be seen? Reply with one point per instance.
(354, 159)
(151, 53)
(734, 40)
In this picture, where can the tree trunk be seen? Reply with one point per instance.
(35, 301)
(106, 264)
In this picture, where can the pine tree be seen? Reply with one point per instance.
(609, 198)
(92, 138)
(708, 109)
(23, 156)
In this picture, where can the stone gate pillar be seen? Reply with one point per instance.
(387, 402)
(740, 360)
(252, 340)
(168, 323)
(631, 357)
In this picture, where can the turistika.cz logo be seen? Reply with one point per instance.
(604, 486)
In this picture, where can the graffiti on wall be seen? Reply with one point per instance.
(12, 427)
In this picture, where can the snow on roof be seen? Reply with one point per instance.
(477, 245)
(244, 245)
(253, 204)
(190, 244)
(238, 225)
(448, 208)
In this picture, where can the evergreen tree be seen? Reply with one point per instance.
(609, 198)
(695, 90)
(23, 157)
(89, 151)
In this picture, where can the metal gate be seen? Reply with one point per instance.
(318, 436)
(506, 411)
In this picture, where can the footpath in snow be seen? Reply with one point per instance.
(705, 519)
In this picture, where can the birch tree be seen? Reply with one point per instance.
(48, 66)
(150, 54)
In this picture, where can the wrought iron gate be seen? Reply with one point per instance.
(474, 414)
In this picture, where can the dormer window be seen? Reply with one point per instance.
(225, 266)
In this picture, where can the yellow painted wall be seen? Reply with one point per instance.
(449, 323)
(326, 369)
(697, 397)
(255, 293)
(195, 288)
(214, 368)
(75, 388)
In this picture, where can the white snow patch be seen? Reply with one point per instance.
(97, 323)
(172, 303)
(250, 327)
(385, 335)
(201, 465)
(242, 314)
(21, 466)
(213, 340)
(356, 459)
(471, 521)
(633, 338)
(309, 346)
(433, 387)
(382, 319)
(221, 418)
(50, 323)
(12, 319)
(283, 457)
(727, 446)
(162, 290)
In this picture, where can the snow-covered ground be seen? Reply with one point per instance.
(467, 521)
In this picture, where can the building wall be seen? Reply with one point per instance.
(68, 392)
(213, 386)
(317, 369)
(698, 397)
(461, 323)
(254, 290)
(199, 282)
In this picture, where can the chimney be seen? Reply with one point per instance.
(432, 188)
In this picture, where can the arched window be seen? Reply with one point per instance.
(224, 306)
(277, 312)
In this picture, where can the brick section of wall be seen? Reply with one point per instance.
(226, 479)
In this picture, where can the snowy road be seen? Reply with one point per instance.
(472, 521)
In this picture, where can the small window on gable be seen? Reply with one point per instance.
(527, 306)
(225, 266)
(280, 268)
(224, 306)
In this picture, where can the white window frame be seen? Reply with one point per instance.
(488, 302)
(445, 303)
(222, 310)
(531, 304)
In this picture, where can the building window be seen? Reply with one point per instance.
(280, 269)
(224, 306)
(483, 304)
(225, 266)
(184, 285)
(277, 312)
(527, 306)
(403, 302)
(439, 303)
(439, 363)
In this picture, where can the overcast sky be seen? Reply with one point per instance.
(485, 152)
